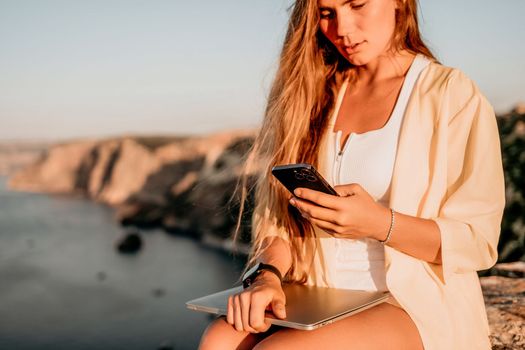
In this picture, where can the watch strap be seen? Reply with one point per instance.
(260, 267)
(273, 269)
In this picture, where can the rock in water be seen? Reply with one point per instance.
(101, 276)
(130, 243)
(166, 345)
(158, 292)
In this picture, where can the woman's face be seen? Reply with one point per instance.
(361, 30)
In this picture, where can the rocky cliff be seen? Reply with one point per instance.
(504, 295)
(180, 183)
(512, 134)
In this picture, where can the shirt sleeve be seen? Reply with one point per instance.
(469, 219)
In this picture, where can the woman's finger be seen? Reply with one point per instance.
(348, 189)
(327, 226)
(245, 312)
(315, 211)
(319, 198)
(258, 307)
(230, 314)
(237, 313)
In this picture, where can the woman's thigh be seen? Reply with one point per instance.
(222, 335)
(384, 326)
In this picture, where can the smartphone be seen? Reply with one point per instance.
(304, 175)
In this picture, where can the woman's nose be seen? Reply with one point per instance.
(345, 25)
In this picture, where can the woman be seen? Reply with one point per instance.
(412, 148)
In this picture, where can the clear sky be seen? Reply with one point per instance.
(82, 68)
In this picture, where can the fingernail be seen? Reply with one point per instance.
(293, 202)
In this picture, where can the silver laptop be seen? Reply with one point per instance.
(307, 307)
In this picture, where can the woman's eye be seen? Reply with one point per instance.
(326, 14)
(357, 6)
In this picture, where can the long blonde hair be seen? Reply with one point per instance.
(301, 98)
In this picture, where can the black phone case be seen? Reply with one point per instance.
(293, 176)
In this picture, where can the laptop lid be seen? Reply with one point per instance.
(307, 307)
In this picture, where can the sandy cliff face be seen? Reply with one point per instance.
(110, 171)
(182, 183)
(56, 171)
(117, 169)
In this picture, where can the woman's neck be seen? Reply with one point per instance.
(384, 67)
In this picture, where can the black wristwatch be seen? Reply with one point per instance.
(255, 271)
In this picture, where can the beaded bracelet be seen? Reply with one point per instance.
(392, 221)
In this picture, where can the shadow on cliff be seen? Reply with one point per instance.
(194, 197)
(85, 171)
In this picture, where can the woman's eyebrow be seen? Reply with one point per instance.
(324, 7)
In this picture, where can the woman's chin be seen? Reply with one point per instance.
(356, 59)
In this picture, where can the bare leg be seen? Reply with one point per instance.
(221, 335)
(381, 327)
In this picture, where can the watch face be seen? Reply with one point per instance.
(251, 271)
(250, 275)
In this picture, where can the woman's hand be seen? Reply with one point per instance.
(246, 309)
(354, 214)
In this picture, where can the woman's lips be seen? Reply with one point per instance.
(352, 48)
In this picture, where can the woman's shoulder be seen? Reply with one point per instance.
(448, 86)
(437, 76)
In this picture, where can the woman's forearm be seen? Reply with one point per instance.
(414, 236)
(354, 213)
(277, 253)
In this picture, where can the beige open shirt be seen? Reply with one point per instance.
(448, 168)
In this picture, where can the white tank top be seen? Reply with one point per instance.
(366, 159)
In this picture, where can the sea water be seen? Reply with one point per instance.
(64, 286)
